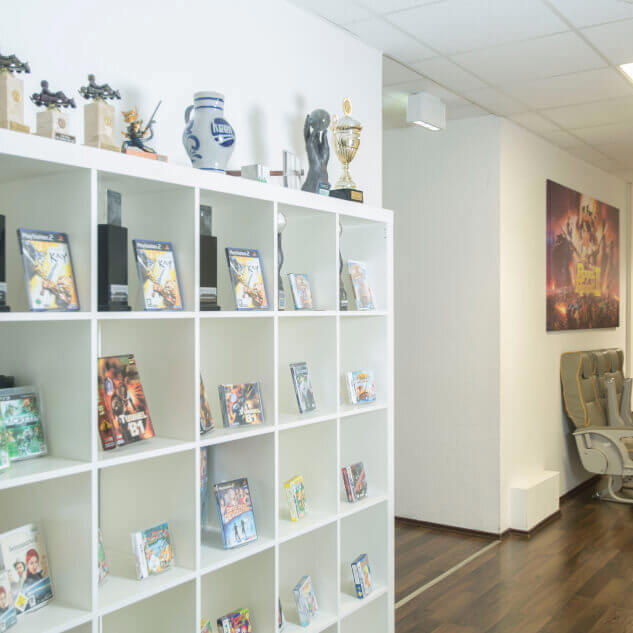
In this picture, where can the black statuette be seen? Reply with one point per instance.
(3, 270)
(318, 150)
(98, 91)
(51, 99)
(208, 262)
(12, 64)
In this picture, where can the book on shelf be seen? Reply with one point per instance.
(296, 497)
(361, 387)
(241, 404)
(355, 482)
(48, 270)
(362, 290)
(303, 386)
(305, 600)
(158, 275)
(281, 618)
(206, 419)
(235, 622)
(123, 412)
(362, 576)
(153, 551)
(204, 486)
(301, 291)
(205, 626)
(247, 277)
(23, 555)
(8, 616)
(102, 561)
(235, 510)
(20, 413)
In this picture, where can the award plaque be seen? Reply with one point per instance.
(12, 93)
(99, 114)
(208, 262)
(53, 122)
(3, 270)
(112, 248)
(346, 134)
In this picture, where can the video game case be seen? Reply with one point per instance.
(205, 626)
(158, 275)
(235, 509)
(235, 622)
(153, 551)
(281, 618)
(303, 387)
(206, 419)
(301, 291)
(361, 387)
(24, 430)
(355, 482)
(102, 561)
(362, 576)
(296, 496)
(241, 404)
(362, 290)
(247, 277)
(305, 600)
(204, 486)
(5, 460)
(8, 615)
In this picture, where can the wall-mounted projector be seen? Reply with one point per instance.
(427, 111)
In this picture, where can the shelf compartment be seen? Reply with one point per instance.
(350, 604)
(375, 617)
(309, 247)
(40, 469)
(312, 340)
(247, 584)
(322, 622)
(54, 618)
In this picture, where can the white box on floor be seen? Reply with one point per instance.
(534, 499)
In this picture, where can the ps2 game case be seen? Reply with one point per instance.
(235, 622)
(301, 291)
(48, 270)
(362, 576)
(102, 561)
(22, 420)
(206, 419)
(204, 486)
(241, 404)
(153, 551)
(305, 600)
(5, 460)
(360, 386)
(303, 386)
(23, 555)
(158, 276)
(124, 402)
(355, 482)
(8, 616)
(362, 290)
(247, 278)
(235, 510)
(296, 497)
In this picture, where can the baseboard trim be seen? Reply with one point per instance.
(579, 488)
(526, 534)
(449, 528)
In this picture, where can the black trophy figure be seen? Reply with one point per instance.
(3, 271)
(98, 92)
(318, 150)
(208, 262)
(281, 294)
(11, 64)
(342, 295)
(51, 99)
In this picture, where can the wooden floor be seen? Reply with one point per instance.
(574, 576)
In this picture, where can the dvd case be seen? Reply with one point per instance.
(305, 600)
(206, 419)
(362, 291)
(23, 555)
(296, 497)
(5, 460)
(204, 487)
(235, 510)
(153, 551)
(241, 404)
(20, 413)
(355, 482)
(247, 277)
(48, 270)
(235, 622)
(301, 291)
(281, 618)
(123, 399)
(8, 616)
(205, 626)
(104, 568)
(158, 275)
(303, 386)
(360, 386)
(362, 576)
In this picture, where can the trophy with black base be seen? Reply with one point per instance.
(99, 114)
(12, 93)
(346, 134)
(112, 245)
(208, 262)
(3, 270)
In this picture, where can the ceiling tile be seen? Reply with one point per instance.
(426, 85)
(456, 26)
(595, 113)
(586, 153)
(334, 10)
(389, 6)
(495, 102)
(395, 73)
(390, 40)
(571, 89)
(622, 153)
(614, 40)
(561, 139)
(588, 12)
(534, 122)
(624, 174)
(533, 59)
(448, 74)
(463, 110)
(618, 134)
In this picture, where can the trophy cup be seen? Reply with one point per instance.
(342, 294)
(12, 93)
(208, 262)
(112, 249)
(53, 122)
(99, 115)
(3, 270)
(346, 134)
(281, 294)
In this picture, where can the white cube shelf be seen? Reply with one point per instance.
(79, 488)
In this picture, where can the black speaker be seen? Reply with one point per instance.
(208, 262)
(3, 267)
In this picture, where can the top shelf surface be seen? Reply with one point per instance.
(41, 156)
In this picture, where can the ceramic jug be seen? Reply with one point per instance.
(208, 138)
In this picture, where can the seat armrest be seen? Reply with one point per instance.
(615, 435)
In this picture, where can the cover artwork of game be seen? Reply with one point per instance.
(583, 261)
(303, 386)
(305, 600)
(157, 274)
(24, 556)
(123, 399)
(206, 420)
(153, 550)
(8, 615)
(355, 481)
(236, 622)
(20, 414)
(362, 290)
(360, 385)
(241, 404)
(301, 291)
(247, 277)
(235, 509)
(48, 270)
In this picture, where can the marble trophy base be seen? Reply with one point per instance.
(12, 103)
(53, 123)
(99, 126)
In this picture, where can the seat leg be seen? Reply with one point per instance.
(614, 486)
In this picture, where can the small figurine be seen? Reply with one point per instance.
(315, 134)
(99, 115)
(135, 136)
(98, 92)
(11, 64)
(53, 122)
(51, 99)
(12, 93)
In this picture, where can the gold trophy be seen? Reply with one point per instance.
(346, 134)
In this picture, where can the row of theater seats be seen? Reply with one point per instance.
(597, 399)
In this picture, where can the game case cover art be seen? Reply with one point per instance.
(102, 561)
(362, 576)
(204, 486)
(5, 460)
(301, 291)
(235, 509)
(153, 549)
(247, 277)
(206, 419)
(241, 404)
(48, 270)
(296, 496)
(583, 261)
(236, 622)
(305, 600)
(24, 557)
(355, 481)
(20, 414)
(303, 386)
(360, 284)
(8, 615)
(123, 399)
(361, 386)
(156, 265)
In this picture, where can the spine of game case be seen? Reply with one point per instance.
(349, 484)
(139, 552)
(224, 625)
(359, 587)
(350, 388)
(225, 413)
(302, 610)
(292, 504)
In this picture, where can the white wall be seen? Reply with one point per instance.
(273, 62)
(444, 189)
(535, 432)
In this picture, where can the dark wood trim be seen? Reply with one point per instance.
(449, 528)
(592, 481)
(535, 529)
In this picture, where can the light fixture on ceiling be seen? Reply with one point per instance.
(427, 111)
(627, 69)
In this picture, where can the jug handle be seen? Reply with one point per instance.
(188, 110)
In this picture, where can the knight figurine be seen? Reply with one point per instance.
(99, 115)
(136, 136)
(53, 122)
(12, 93)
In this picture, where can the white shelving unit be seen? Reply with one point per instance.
(77, 488)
